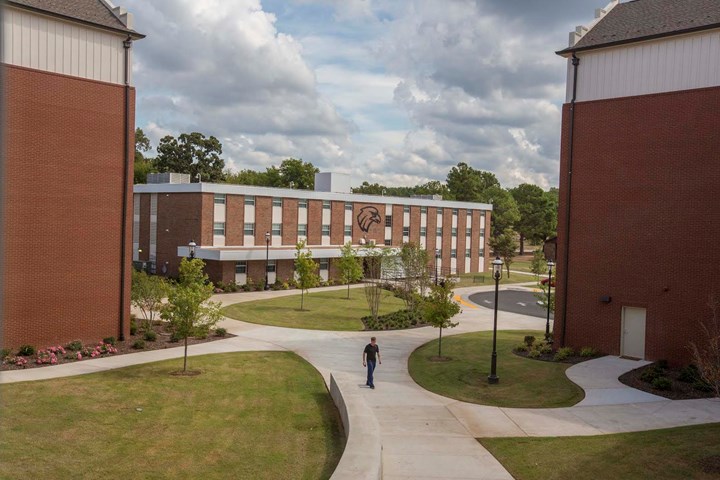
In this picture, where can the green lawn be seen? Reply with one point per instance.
(248, 415)
(668, 454)
(328, 310)
(486, 278)
(523, 382)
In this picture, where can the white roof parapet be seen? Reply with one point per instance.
(582, 30)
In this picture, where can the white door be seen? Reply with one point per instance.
(632, 343)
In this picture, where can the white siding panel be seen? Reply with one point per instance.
(36, 41)
(664, 65)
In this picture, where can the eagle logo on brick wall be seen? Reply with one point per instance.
(366, 217)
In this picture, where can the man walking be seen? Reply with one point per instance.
(370, 354)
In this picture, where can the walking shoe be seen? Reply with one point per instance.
(372, 386)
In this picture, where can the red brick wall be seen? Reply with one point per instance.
(447, 239)
(284, 269)
(431, 234)
(337, 223)
(263, 218)
(63, 205)
(144, 227)
(475, 241)
(234, 220)
(314, 228)
(397, 226)
(220, 271)
(290, 221)
(644, 221)
(376, 230)
(461, 229)
(180, 219)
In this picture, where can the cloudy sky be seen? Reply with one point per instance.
(391, 91)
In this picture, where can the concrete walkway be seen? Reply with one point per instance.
(423, 435)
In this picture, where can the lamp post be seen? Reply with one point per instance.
(550, 265)
(267, 258)
(497, 273)
(192, 245)
(437, 258)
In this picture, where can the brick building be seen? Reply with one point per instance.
(229, 224)
(640, 179)
(68, 149)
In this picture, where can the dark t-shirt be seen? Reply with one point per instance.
(371, 351)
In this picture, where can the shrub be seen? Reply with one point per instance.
(285, 286)
(651, 374)
(74, 346)
(175, 337)
(702, 386)
(260, 285)
(220, 332)
(689, 374)
(529, 340)
(545, 348)
(520, 347)
(234, 287)
(330, 282)
(17, 361)
(26, 350)
(139, 344)
(249, 286)
(588, 352)
(396, 320)
(150, 336)
(133, 327)
(563, 354)
(534, 354)
(662, 364)
(4, 353)
(662, 383)
(110, 340)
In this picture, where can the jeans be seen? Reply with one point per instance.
(371, 368)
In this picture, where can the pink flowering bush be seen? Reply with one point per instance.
(17, 361)
(97, 351)
(50, 355)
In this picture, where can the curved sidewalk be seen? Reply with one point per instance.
(423, 435)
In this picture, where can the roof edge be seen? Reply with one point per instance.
(570, 50)
(131, 33)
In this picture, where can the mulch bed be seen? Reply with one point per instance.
(123, 347)
(550, 357)
(679, 391)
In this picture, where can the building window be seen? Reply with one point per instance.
(482, 232)
(219, 199)
(406, 208)
(240, 267)
(406, 231)
(423, 231)
(388, 242)
(219, 228)
(455, 211)
(482, 252)
(454, 232)
(348, 230)
(423, 209)
(302, 229)
(249, 229)
(271, 266)
(469, 213)
(277, 202)
(388, 220)
(453, 253)
(249, 200)
(467, 253)
(348, 206)
(326, 204)
(482, 214)
(277, 229)
(326, 230)
(439, 212)
(324, 264)
(438, 231)
(302, 203)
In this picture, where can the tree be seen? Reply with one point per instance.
(375, 260)
(537, 218)
(189, 310)
(247, 177)
(294, 173)
(440, 308)
(191, 153)
(706, 353)
(349, 266)
(467, 184)
(505, 246)
(147, 293)
(538, 264)
(414, 260)
(305, 270)
(142, 165)
(505, 212)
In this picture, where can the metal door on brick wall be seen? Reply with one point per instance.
(632, 343)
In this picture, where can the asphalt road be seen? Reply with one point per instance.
(513, 301)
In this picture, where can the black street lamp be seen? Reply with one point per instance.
(497, 273)
(192, 245)
(550, 265)
(437, 258)
(267, 258)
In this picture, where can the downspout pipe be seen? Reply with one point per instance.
(127, 44)
(568, 205)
